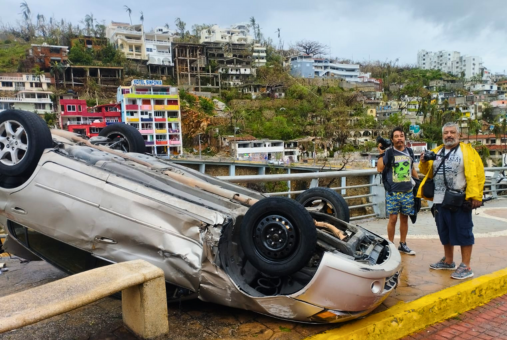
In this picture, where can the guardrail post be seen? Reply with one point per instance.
(232, 170)
(288, 183)
(262, 170)
(202, 168)
(380, 196)
(343, 185)
(314, 183)
(493, 182)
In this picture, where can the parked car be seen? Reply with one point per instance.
(79, 204)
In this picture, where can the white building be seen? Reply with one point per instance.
(26, 92)
(451, 62)
(259, 55)
(237, 34)
(128, 38)
(306, 66)
(258, 150)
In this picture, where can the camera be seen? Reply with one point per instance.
(385, 142)
(429, 155)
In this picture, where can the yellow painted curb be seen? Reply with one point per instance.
(406, 318)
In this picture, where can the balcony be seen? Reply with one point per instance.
(146, 131)
(158, 42)
(164, 131)
(25, 100)
(172, 119)
(160, 119)
(175, 142)
(125, 31)
(131, 107)
(161, 142)
(146, 107)
(174, 131)
(146, 119)
(149, 143)
(130, 120)
(167, 107)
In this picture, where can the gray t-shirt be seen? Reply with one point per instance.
(454, 174)
(399, 176)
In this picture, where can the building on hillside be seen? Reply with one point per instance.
(158, 49)
(234, 62)
(483, 88)
(306, 66)
(190, 66)
(291, 152)
(270, 151)
(129, 39)
(46, 55)
(26, 92)
(450, 62)
(237, 34)
(153, 109)
(259, 55)
(75, 116)
(446, 84)
(496, 145)
(13, 82)
(101, 75)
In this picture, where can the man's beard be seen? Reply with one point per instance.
(449, 142)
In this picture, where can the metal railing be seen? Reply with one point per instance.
(495, 186)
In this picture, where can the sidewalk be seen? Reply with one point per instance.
(484, 322)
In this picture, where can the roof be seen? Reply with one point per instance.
(240, 138)
(478, 136)
(494, 147)
(46, 45)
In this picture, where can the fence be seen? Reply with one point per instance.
(495, 186)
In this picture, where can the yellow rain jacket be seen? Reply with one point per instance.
(474, 172)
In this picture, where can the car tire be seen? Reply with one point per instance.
(333, 203)
(135, 141)
(23, 138)
(278, 236)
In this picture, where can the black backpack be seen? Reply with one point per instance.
(390, 164)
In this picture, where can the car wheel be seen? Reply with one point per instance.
(23, 138)
(278, 236)
(326, 201)
(124, 137)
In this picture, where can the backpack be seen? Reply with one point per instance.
(390, 164)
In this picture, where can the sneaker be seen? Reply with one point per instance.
(403, 248)
(442, 265)
(463, 272)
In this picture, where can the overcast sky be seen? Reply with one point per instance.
(354, 29)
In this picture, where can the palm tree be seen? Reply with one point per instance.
(56, 70)
(166, 25)
(129, 11)
(26, 11)
(90, 23)
(142, 17)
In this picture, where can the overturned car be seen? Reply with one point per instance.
(79, 204)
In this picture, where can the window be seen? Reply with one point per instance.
(95, 130)
(36, 85)
(71, 108)
(7, 84)
(40, 106)
(79, 108)
(148, 49)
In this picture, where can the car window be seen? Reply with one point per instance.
(18, 231)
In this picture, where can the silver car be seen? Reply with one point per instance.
(79, 204)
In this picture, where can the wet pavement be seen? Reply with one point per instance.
(196, 319)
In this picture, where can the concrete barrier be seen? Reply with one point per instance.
(142, 284)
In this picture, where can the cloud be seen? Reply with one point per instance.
(359, 29)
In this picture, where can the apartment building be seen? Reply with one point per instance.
(259, 55)
(75, 116)
(271, 151)
(129, 39)
(306, 66)
(26, 92)
(153, 109)
(450, 62)
(158, 50)
(233, 52)
(45, 55)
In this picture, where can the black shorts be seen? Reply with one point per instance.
(454, 228)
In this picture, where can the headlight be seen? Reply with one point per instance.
(376, 287)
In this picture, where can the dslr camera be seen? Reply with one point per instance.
(429, 155)
(385, 142)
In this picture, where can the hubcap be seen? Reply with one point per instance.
(275, 237)
(119, 142)
(13, 142)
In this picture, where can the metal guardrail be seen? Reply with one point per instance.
(496, 186)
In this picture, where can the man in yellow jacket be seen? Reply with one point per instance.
(464, 172)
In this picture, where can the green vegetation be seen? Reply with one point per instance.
(79, 54)
(11, 54)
